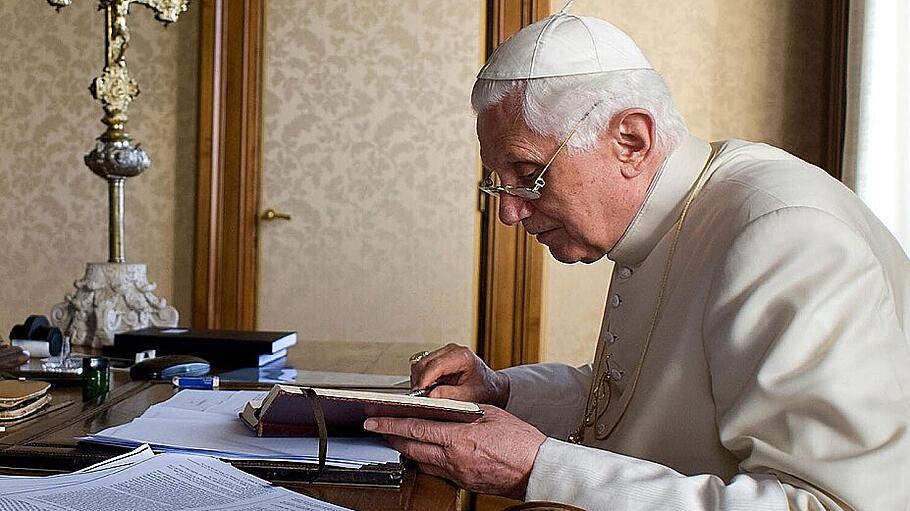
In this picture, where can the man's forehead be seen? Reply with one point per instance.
(506, 136)
(502, 118)
(502, 126)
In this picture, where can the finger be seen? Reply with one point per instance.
(429, 454)
(425, 431)
(448, 367)
(419, 368)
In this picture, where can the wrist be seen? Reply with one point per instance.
(501, 390)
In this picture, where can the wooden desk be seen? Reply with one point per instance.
(45, 445)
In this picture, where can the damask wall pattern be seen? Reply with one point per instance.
(750, 69)
(53, 210)
(369, 144)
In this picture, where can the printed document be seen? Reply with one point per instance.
(140, 481)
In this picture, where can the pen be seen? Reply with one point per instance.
(424, 391)
(196, 382)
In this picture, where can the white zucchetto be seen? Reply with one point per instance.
(564, 45)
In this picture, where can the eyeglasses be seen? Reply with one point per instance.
(491, 187)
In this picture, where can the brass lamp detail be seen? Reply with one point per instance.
(115, 296)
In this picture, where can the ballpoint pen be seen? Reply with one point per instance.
(196, 382)
(424, 391)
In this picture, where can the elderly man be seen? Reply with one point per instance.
(754, 350)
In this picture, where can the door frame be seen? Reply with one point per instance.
(228, 191)
(510, 323)
(227, 186)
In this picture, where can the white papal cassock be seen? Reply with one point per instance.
(779, 371)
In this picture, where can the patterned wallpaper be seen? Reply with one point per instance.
(750, 69)
(368, 142)
(53, 210)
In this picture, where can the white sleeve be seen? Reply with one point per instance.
(594, 479)
(809, 370)
(548, 396)
(819, 394)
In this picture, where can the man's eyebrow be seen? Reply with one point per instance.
(520, 156)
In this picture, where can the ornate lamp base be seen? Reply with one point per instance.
(111, 298)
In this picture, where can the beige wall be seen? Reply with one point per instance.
(751, 69)
(369, 144)
(53, 210)
(742, 68)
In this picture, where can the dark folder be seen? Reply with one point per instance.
(224, 348)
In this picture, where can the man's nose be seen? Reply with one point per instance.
(513, 209)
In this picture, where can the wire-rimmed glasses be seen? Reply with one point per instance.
(491, 186)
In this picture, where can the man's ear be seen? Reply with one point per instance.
(632, 131)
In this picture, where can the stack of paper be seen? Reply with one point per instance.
(142, 480)
(206, 422)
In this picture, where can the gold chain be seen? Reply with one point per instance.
(600, 388)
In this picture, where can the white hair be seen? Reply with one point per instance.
(552, 106)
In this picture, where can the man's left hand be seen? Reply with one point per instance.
(493, 455)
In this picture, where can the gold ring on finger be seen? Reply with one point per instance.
(417, 357)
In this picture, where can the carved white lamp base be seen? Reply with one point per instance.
(111, 298)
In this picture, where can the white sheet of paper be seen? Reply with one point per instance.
(142, 453)
(206, 422)
(163, 482)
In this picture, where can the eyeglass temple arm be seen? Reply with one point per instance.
(538, 181)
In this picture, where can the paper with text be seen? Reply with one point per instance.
(166, 482)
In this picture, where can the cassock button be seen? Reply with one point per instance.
(624, 272)
(615, 301)
(609, 338)
(615, 375)
(601, 429)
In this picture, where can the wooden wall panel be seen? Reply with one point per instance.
(227, 185)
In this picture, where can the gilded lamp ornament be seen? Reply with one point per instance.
(115, 296)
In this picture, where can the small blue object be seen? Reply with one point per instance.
(168, 366)
(196, 382)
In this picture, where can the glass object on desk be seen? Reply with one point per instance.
(62, 362)
(96, 378)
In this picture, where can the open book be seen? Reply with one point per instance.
(287, 411)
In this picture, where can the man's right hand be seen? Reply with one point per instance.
(461, 375)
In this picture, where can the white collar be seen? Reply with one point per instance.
(663, 202)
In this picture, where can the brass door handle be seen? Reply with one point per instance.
(271, 214)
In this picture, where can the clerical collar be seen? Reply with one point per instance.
(663, 201)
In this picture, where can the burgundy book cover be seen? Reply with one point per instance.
(290, 414)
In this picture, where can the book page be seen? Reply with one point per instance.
(164, 482)
(364, 395)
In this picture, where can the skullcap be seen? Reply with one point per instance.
(564, 45)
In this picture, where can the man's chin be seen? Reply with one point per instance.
(567, 255)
